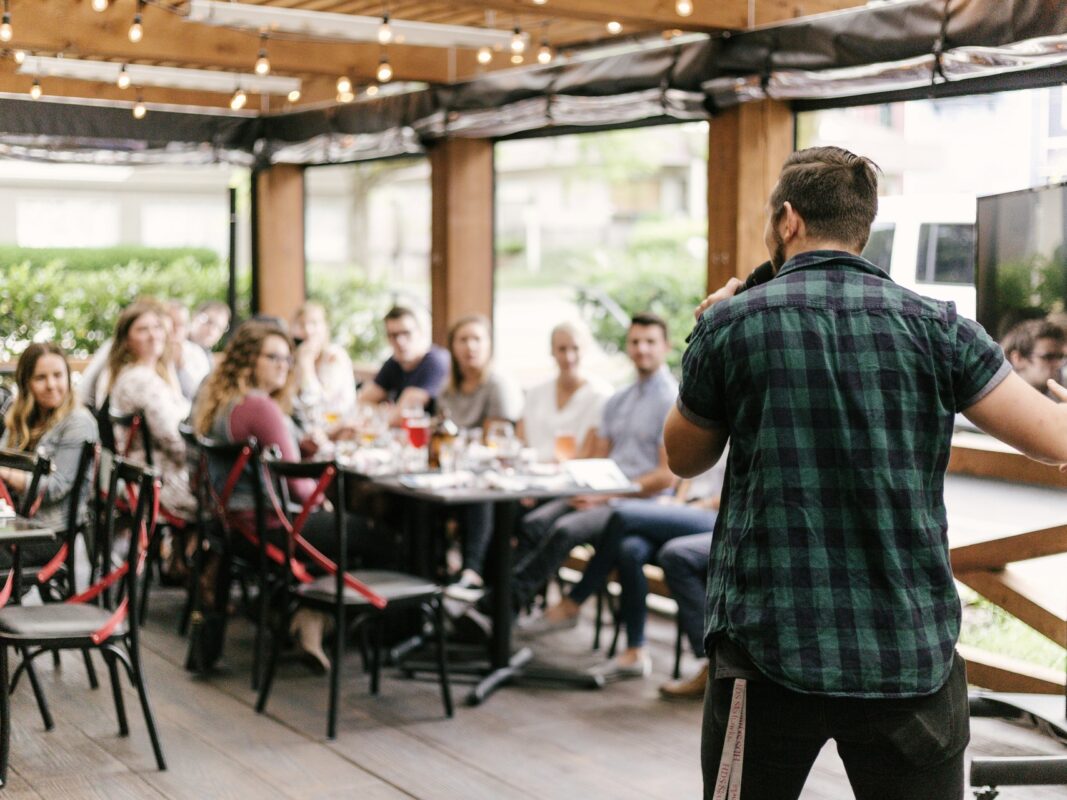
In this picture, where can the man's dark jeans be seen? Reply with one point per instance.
(908, 749)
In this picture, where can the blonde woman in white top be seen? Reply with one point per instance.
(561, 415)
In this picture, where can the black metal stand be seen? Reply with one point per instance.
(1042, 711)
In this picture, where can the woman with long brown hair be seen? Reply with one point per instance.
(140, 380)
(250, 394)
(46, 418)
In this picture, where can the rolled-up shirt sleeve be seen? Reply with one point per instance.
(979, 364)
(700, 397)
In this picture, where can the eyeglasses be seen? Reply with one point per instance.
(277, 358)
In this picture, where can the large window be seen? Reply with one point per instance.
(595, 227)
(58, 221)
(367, 245)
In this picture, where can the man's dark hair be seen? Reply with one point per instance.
(647, 318)
(1023, 337)
(399, 312)
(834, 191)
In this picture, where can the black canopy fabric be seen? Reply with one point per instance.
(869, 54)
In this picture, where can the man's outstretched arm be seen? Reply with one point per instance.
(691, 449)
(1019, 415)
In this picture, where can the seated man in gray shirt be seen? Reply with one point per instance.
(631, 434)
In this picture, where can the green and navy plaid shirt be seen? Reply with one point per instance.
(830, 566)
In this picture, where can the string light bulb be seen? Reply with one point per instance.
(262, 61)
(385, 71)
(372, 90)
(139, 109)
(237, 102)
(344, 85)
(19, 56)
(385, 32)
(544, 54)
(100, 5)
(294, 95)
(35, 89)
(124, 78)
(516, 58)
(6, 31)
(539, 2)
(614, 27)
(485, 55)
(345, 97)
(136, 32)
(684, 8)
(518, 44)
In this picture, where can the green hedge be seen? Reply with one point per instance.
(78, 306)
(82, 259)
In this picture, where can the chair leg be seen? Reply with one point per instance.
(598, 623)
(263, 603)
(376, 655)
(116, 692)
(90, 670)
(442, 660)
(618, 630)
(335, 674)
(137, 676)
(5, 716)
(55, 660)
(38, 692)
(267, 681)
(678, 651)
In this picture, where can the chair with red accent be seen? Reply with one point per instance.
(353, 598)
(79, 624)
(234, 494)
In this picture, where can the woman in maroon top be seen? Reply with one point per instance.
(248, 395)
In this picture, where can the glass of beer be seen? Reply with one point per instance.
(566, 447)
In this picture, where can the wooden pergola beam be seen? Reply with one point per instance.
(747, 146)
(74, 29)
(661, 14)
(279, 281)
(461, 253)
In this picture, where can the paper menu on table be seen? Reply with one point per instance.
(598, 474)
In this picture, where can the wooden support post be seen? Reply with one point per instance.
(279, 282)
(746, 149)
(461, 262)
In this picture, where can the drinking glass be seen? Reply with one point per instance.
(565, 447)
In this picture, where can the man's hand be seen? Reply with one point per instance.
(583, 502)
(729, 290)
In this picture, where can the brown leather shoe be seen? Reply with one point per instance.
(686, 688)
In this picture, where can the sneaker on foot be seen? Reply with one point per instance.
(615, 670)
(686, 688)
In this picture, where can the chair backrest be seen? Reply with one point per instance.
(220, 459)
(82, 495)
(143, 515)
(37, 466)
(136, 426)
(324, 473)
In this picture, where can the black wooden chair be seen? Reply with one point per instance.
(353, 599)
(231, 536)
(78, 624)
(37, 467)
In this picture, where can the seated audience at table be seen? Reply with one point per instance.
(475, 397)
(210, 321)
(631, 434)
(416, 371)
(47, 418)
(326, 385)
(140, 381)
(188, 360)
(250, 394)
(561, 415)
(1035, 349)
(636, 534)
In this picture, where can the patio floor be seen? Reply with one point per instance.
(619, 743)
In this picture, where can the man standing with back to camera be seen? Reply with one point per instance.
(832, 613)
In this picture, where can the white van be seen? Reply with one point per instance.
(926, 243)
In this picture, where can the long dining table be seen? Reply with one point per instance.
(505, 664)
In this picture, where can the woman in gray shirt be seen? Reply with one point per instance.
(475, 396)
(47, 418)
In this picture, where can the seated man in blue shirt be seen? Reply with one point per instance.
(416, 371)
(631, 434)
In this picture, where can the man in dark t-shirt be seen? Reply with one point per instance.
(416, 371)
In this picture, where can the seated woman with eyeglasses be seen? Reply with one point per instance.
(46, 418)
(250, 394)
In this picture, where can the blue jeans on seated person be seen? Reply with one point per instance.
(685, 568)
(634, 535)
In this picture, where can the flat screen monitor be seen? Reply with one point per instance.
(1021, 256)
